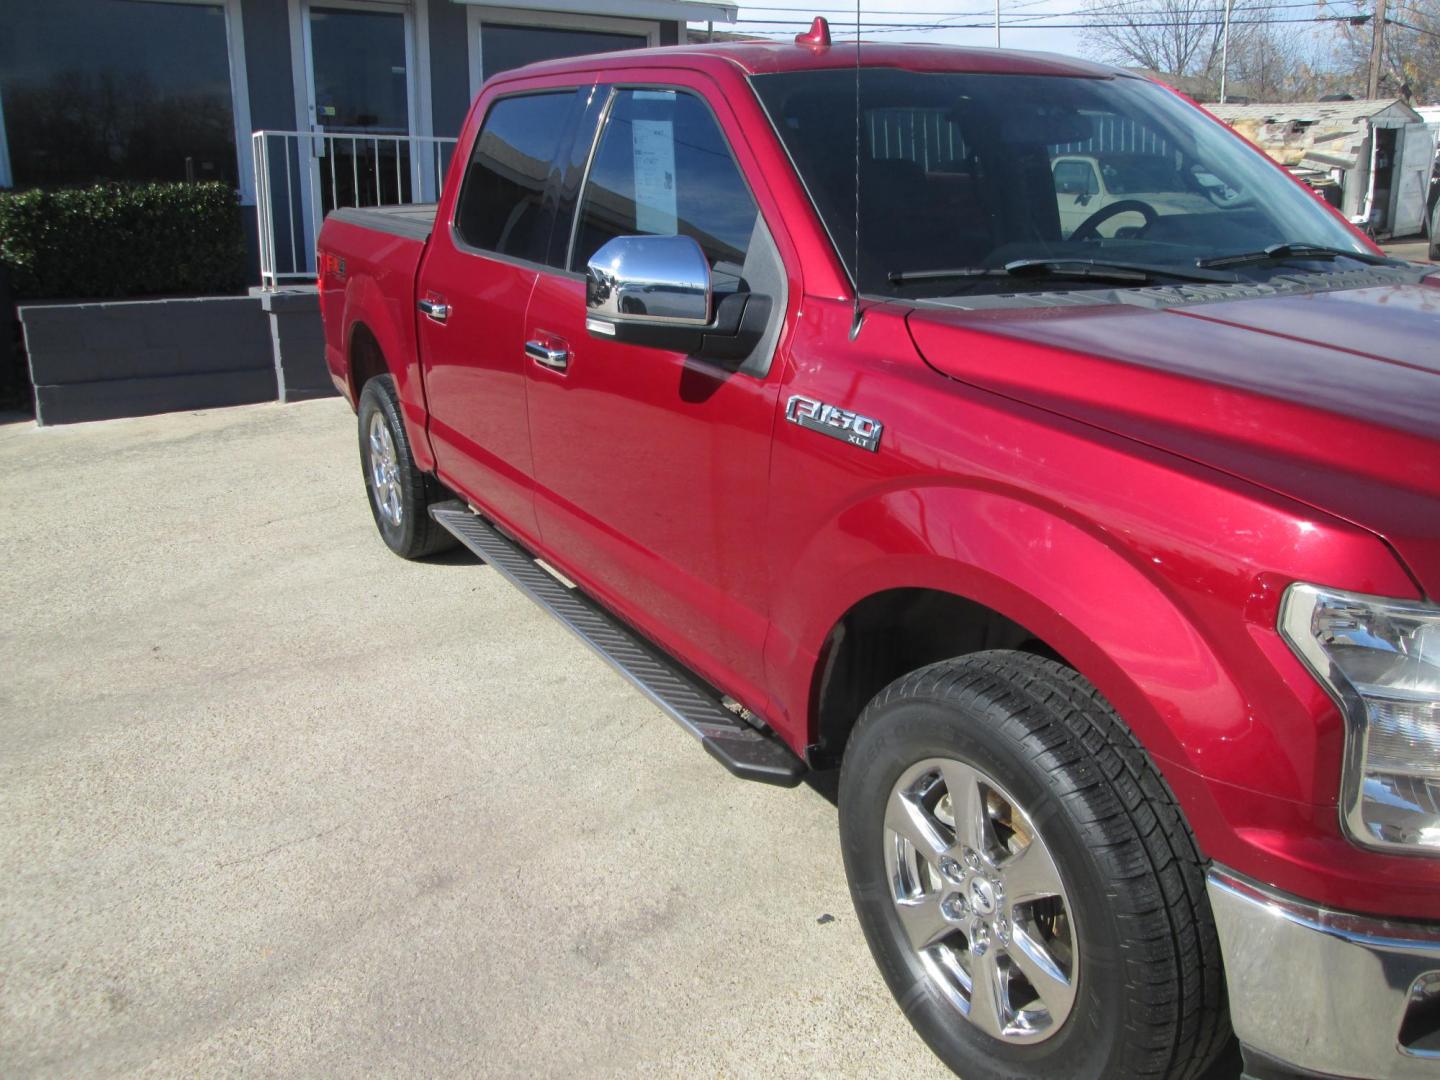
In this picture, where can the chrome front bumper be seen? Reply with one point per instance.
(1325, 991)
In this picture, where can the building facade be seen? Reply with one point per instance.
(173, 89)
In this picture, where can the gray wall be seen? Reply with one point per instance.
(267, 62)
(272, 101)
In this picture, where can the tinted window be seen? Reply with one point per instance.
(502, 206)
(663, 168)
(115, 91)
(1075, 178)
(503, 47)
(957, 172)
(359, 70)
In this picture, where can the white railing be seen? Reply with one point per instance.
(300, 176)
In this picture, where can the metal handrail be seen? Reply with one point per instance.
(302, 175)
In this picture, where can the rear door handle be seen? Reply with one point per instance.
(557, 358)
(437, 310)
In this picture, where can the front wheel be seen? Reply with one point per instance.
(400, 494)
(1025, 880)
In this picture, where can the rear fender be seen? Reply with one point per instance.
(394, 331)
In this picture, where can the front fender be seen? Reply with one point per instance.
(1180, 640)
(1100, 610)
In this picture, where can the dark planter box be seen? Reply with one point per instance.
(136, 357)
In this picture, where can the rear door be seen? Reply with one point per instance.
(1412, 179)
(472, 292)
(652, 467)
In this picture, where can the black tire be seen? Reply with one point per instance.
(1149, 997)
(415, 534)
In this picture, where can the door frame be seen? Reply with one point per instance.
(417, 91)
(478, 14)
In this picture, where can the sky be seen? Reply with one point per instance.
(902, 12)
(767, 16)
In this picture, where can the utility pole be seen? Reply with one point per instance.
(997, 24)
(1225, 50)
(1377, 50)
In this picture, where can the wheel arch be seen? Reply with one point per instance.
(366, 359)
(371, 317)
(994, 570)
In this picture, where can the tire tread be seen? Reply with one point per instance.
(1112, 789)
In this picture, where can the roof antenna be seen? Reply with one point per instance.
(818, 36)
(859, 316)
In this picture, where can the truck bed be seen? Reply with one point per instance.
(413, 222)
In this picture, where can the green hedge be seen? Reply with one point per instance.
(116, 240)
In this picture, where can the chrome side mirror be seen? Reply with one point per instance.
(649, 279)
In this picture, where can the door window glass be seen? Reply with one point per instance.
(358, 63)
(1075, 178)
(116, 91)
(359, 68)
(663, 168)
(502, 202)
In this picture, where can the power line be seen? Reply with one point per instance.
(1018, 25)
(990, 25)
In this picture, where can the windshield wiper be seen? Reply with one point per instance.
(1281, 252)
(1092, 269)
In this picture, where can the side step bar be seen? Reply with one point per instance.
(746, 751)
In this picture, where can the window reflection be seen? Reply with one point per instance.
(124, 90)
(503, 47)
(358, 63)
(359, 68)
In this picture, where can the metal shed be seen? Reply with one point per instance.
(1372, 159)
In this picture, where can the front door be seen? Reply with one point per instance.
(651, 467)
(359, 84)
(474, 286)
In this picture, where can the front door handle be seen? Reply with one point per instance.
(437, 310)
(553, 357)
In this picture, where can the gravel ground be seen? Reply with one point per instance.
(273, 801)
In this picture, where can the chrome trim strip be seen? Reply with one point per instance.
(601, 123)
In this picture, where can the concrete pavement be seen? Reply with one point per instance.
(273, 801)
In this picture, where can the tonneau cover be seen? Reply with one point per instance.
(413, 222)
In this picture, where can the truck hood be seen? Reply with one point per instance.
(1330, 398)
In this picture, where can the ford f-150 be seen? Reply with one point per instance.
(1101, 557)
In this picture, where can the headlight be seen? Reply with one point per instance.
(1381, 660)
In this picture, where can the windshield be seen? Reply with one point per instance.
(965, 171)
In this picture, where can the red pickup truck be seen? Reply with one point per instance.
(1101, 558)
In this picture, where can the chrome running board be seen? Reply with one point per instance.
(748, 752)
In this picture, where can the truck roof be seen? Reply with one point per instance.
(768, 57)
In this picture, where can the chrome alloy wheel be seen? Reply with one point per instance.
(981, 901)
(384, 470)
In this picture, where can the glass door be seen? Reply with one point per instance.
(360, 98)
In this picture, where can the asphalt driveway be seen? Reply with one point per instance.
(274, 801)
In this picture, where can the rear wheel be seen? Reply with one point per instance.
(400, 494)
(1025, 880)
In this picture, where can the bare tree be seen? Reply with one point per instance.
(1183, 38)
(1411, 59)
(1174, 37)
(1267, 63)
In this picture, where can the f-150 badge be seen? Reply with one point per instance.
(836, 422)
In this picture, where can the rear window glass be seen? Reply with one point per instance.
(502, 205)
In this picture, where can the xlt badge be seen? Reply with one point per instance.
(834, 421)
